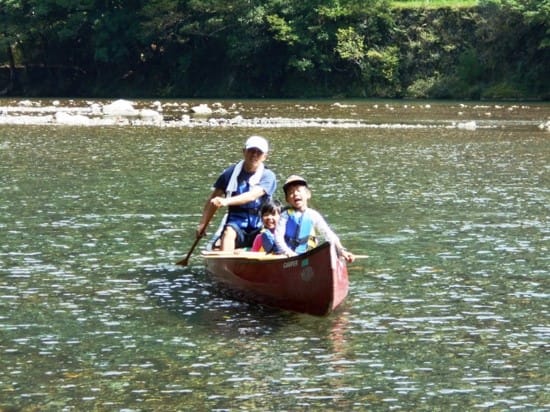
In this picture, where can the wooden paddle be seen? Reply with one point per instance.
(185, 260)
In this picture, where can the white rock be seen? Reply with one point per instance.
(150, 115)
(472, 125)
(68, 119)
(342, 105)
(545, 126)
(201, 109)
(236, 120)
(120, 107)
(95, 109)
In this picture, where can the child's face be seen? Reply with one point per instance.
(297, 196)
(270, 220)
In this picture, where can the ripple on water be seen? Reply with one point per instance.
(448, 311)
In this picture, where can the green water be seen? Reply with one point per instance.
(450, 312)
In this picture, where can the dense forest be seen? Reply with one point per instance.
(499, 49)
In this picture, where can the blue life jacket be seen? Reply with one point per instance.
(300, 232)
(246, 216)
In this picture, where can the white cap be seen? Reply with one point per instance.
(257, 142)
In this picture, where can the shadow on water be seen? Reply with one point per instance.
(189, 293)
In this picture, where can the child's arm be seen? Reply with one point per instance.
(328, 234)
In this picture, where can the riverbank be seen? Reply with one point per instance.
(265, 114)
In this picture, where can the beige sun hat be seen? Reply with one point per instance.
(292, 180)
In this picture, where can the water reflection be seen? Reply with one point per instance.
(189, 293)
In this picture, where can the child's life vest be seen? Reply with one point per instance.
(300, 233)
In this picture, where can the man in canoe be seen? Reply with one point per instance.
(298, 226)
(242, 188)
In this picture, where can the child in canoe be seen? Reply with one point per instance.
(299, 224)
(265, 240)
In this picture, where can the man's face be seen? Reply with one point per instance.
(253, 158)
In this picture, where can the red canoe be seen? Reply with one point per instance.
(315, 282)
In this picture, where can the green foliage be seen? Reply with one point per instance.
(282, 31)
(533, 12)
(280, 48)
(469, 69)
(433, 4)
(350, 45)
(382, 71)
(423, 88)
(503, 91)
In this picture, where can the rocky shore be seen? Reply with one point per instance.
(181, 114)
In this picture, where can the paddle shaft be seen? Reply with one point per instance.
(185, 260)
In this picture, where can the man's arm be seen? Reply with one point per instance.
(208, 211)
(255, 193)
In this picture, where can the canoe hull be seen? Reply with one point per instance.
(315, 282)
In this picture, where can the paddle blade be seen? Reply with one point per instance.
(183, 262)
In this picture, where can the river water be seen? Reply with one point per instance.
(449, 312)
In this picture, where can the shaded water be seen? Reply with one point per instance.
(450, 312)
